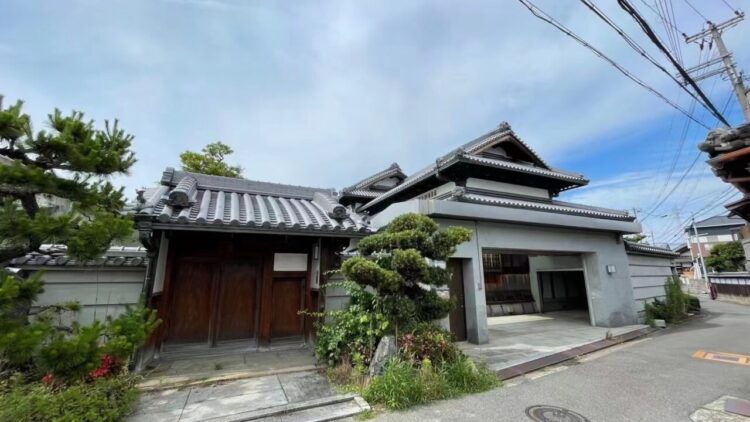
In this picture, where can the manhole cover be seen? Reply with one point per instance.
(544, 413)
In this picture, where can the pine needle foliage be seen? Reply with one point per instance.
(393, 263)
(71, 160)
(210, 161)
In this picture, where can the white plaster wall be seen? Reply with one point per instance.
(100, 292)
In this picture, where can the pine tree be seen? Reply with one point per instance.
(210, 161)
(71, 160)
(402, 264)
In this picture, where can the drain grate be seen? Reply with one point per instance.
(546, 413)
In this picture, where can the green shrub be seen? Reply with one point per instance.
(676, 300)
(403, 385)
(355, 330)
(71, 356)
(675, 306)
(129, 331)
(726, 257)
(106, 399)
(399, 387)
(693, 304)
(465, 377)
(428, 341)
(656, 310)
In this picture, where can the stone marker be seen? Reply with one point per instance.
(386, 350)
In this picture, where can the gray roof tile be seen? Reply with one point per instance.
(546, 206)
(642, 249)
(203, 200)
(55, 256)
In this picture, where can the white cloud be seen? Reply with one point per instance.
(323, 93)
(641, 192)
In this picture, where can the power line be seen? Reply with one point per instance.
(713, 203)
(549, 19)
(670, 13)
(696, 10)
(674, 188)
(635, 46)
(625, 5)
(729, 5)
(684, 136)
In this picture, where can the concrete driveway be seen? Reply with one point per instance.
(651, 379)
(517, 339)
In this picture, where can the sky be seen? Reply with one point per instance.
(325, 93)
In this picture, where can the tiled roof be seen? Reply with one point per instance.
(190, 199)
(461, 156)
(502, 130)
(172, 177)
(546, 206)
(642, 249)
(363, 193)
(55, 256)
(392, 170)
(557, 174)
(720, 220)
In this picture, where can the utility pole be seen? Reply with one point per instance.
(713, 35)
(700, 251)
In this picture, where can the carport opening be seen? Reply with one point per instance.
(524, 282)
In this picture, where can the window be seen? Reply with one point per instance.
(506, 278)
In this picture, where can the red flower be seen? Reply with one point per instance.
(48, 379)
(106, 366)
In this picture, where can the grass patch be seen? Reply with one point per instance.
(403, 385)
(105, 399)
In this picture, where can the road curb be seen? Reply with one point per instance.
(558, 357)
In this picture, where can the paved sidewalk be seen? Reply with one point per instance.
(655, 378)
(184, 371)
(230, 398)
(515, 340)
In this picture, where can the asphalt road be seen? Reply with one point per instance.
(650, 379)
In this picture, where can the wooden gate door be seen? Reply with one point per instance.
(190, 310)
(457, 316)
(288, 300)
(237, 301)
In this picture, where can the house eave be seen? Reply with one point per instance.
(222, 228)
(499, 214)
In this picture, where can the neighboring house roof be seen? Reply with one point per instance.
(199, 201)
(365, 188)
(55, 256)
(474, 154)
(649, 250)
(719, 221)
(729, 152)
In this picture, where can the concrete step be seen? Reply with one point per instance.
(318, 410)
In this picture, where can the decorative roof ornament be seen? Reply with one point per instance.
(503, 126)
(183, 195)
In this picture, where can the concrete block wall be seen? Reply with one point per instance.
(648, 275)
